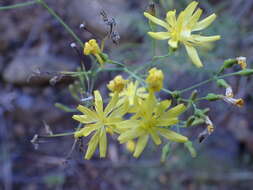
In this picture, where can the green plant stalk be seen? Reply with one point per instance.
(57, 17)
(18, 5)
(208, 80)
(57, 135)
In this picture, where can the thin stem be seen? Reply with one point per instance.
(209, 80)
(57, 135)
(18, 5)
(54, 14)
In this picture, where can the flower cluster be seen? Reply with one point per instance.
(147, 116)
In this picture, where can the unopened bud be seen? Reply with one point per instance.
(213, 97)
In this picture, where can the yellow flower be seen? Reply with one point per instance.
(117, 84)
(155, 79)
(180, 30)
(99, 121)
(152, 119)
(91, 47)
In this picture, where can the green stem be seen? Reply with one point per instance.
(58, 135)
(53, 13)
(208, 80)
(18, 5)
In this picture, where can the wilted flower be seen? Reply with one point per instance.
(242, 62)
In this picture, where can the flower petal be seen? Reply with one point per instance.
(198, 39)
(204, 23)
(112, 104)
(167, 122)
(102, 143)
(93, 143)
(194, 18)
(98, 102)
(174, 112)
(192, 53)
(156, 20)
(87, 130)
(130, 134)
(89, 113)
(171, 18)
(190, 9)
(159, 35)
(155, 137)
(84, 119)
(173, 136)
(141, 144)
(173, 43)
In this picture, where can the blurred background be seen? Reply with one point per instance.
(34, 46)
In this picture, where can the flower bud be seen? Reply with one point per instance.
(213, 97)
(155, 79)
(117, 84)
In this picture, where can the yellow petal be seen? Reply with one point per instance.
(111, 105)
(102, 143)
(87, 130)
(167, 122)
(192, 53)
(171, 18)
(98, 102)
(174, 112)
(156, 20)
(130, 134)
(155, 137)
(159, 35)
(204, 39)
(173, 136)
(84, 119)
(204, 23)
(89, 113)
(93, 143)
(190, 9)
(194, 18)
(141, 144)
(173, 43)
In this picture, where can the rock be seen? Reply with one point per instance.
(35, 69)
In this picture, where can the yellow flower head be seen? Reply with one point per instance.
(155, 79)
(99, 121)
(117, 84)
(179, 29)
(152, 120)
(91, 47)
